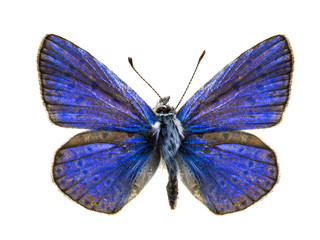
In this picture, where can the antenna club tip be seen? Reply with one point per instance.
(203, 53)
(130, 61)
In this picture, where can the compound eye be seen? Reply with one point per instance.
(161, 109)
(166, 110)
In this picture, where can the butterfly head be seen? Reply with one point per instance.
(162, 107)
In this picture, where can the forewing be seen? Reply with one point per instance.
(81, 92)
(251, 92)
(102, 170)
(227, 171)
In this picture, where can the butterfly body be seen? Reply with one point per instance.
(169, 135)
(225, 168)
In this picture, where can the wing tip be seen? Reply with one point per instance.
(278, 37)
(51, 36)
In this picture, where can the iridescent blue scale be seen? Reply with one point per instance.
(104, 168)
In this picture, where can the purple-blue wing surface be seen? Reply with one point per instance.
(227, 171)
(81, 92)
(251, 92)
(103, 170)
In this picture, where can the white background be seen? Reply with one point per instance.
(165, 39)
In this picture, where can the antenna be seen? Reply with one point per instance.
(200, 58)
(131, 63)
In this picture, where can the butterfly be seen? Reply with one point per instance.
(104, 168)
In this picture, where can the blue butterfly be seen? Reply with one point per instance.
(104, 168)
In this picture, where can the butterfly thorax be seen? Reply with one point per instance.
(168, 133)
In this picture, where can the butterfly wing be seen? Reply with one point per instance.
(251, 92)
(103, 170)
(81, 92)
(227, 171)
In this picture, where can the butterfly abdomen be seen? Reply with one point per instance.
(172, 189)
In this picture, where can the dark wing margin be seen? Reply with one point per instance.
(81, 92)
(227, 171)
(103, 171)
(251, 92)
